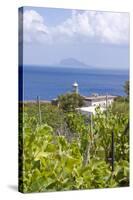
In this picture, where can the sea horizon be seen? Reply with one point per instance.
(89, 67)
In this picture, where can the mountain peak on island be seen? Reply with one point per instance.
(72, 62)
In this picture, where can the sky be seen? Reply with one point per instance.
(99, 39)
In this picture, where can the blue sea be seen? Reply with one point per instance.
(49, 82)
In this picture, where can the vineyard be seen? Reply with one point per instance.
(69, 151)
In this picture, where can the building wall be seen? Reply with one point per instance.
(98, 103)
(87, 103)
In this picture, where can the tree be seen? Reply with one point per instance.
(126, 88)
(70, 101)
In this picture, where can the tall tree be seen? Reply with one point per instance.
(126, 88)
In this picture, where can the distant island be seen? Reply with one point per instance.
(72, 62)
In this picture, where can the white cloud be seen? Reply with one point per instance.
(34, 27)
(112, 27)
(104, 27)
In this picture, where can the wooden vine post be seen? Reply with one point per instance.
(113, 153)
(39, 110)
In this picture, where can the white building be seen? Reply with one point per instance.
(93, 101)
(98, 100)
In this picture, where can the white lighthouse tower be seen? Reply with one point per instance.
(75, 87)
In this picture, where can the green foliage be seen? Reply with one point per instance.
(51, 115)
(70, 101)
(53, 162)
(104, 125)
(120, 107)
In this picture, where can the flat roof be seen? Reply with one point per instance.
(99, 97)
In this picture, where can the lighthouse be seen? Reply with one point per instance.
(75, 87)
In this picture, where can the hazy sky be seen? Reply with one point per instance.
(99, 39)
